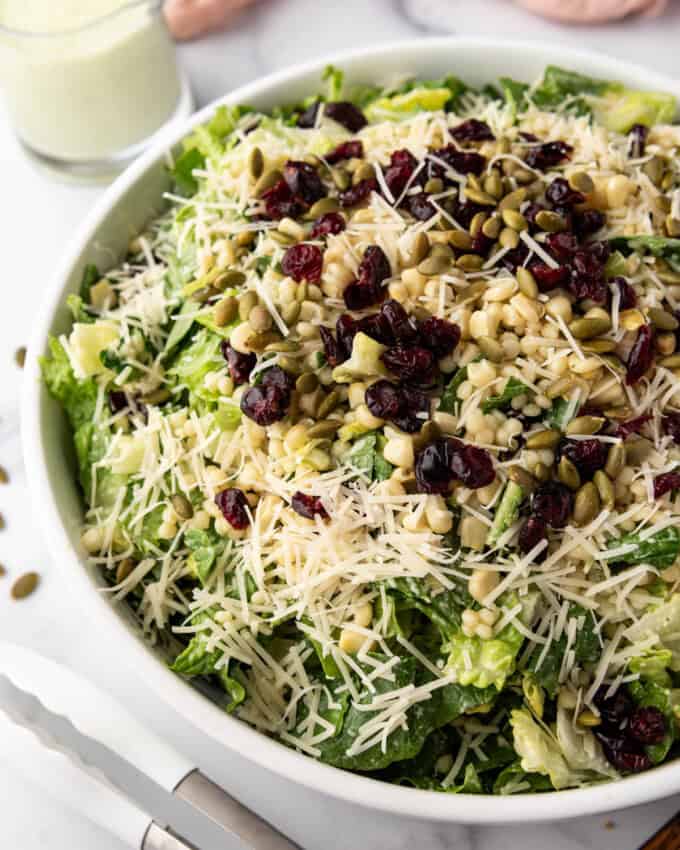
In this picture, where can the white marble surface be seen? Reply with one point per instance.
(37, 217)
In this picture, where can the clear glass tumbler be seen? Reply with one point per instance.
(89, 83)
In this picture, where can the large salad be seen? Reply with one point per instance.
(378, 427)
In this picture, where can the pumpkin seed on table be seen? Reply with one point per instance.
(434, 186)
(25, 585)
(283, 346)
(230, 279)
(541, 472)
(477, 222)
(520, 476)
(325, 428)
(581, 182)
(470, 262)
(479, 196)
(492, 227)
(434, 264)
(157, 396)
(560, 386)
(526, 282)
(328, 404)
(20, 356)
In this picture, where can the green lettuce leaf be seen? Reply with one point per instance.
(646, 694)
(182, 173)
(449, 402)
(512, 389)
(659, 550)
(662, 247)
(662, 622)
(367, 456)
(653, 666)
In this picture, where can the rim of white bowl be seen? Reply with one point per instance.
(198, 710)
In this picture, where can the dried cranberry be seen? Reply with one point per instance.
(118, 401)
(587, 455)
(359, 296)
(632, 426)
(265, 404)
(279, 378)
(480, 243)
(531, 533)
(384, 399)
(399, 172)
(307, 119)
(515, 258)
(624, 754)
(433, 467)
(615, 710)
(345, 331)
(397, 322)
(377, 327)
(415, 403)
(303, 181)
(530, 212)
(560, 194)
(627, 293)
(587, 222)
(240, 365)
(308, 506)
(648, 725)
(562, 246)
(410, 363)
(345, 150)
(547, 277)
(367, 289)
(548, 155)
(233, 504)
(440, 336)
(347, 114)
(528, 137)
(472, 466)
(666, 483)
(552, 502)
(420, 207)
(464, 162)
(280, 202)
(671, 426)
(637, 140)
(641, 355)
(472, 130)
(356, 194)
(327, 224)
(330, 347)
(587, 274)
(303, 262)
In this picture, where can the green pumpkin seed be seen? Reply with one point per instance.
(586, 504)
(20, 356)
(124, 568)
(283, 346)
(441, 249)
(289, 364)
(460, 240)
(587, 328)
(638, 450)
(474, 290)
(429, 432)
(605, 488)
(434, 186)
(470, 262)
(585, 425)
(513, 200)
(620, 414)
(520, 476)
(581, 182)
(568, 474)
(515, 220)
(598, 346)
(282, 239)
(321, 207)
(662, 320)
(291, 312)
(324, 429)
(182, 506)
(522, 175)
(670, 362)
(616, 460)
(588, 720)
(230, 279)
(672, 226)
(306, 383)
(256, 163)
(560, 387)
(328, 405)
(246, 302)
(434, 264)
(550, 221)
(493, 185)
(668, 181)
(204, 294)
(509, 238)
(668, 276)
(474, 182)
(259, 341)
(260, 319)
(245, 238)
(341, 178)
(366, 171)
(479, 196)
(25, 585)
(419, 247)
(654, 169)
(527, 282)
(477, 221)
(225, 311)
(266, 181)
(547, 439)
(158, 396)
(491, 349)
(541, 472)
(492, 227)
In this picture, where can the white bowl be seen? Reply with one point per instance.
(101, 239)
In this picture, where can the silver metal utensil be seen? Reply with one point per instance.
(95, 715)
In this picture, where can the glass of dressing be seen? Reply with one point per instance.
(89, 83)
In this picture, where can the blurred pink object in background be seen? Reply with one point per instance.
(191, 18)
(592, 11)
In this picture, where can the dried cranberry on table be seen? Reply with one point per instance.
(303, 181)
(233, 505)
(410, 363)
(397, 404)
(666, 483)
(472, 130)
(548, 155)
(587, 455)
(641, 356)
(330, 346)
(329, 224)
(552, 502)
(279, 378)
(308, 506)
(240, 365)
(353, 149)
(588, 273)
(303, 262)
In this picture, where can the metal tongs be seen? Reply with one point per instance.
(40, 691)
